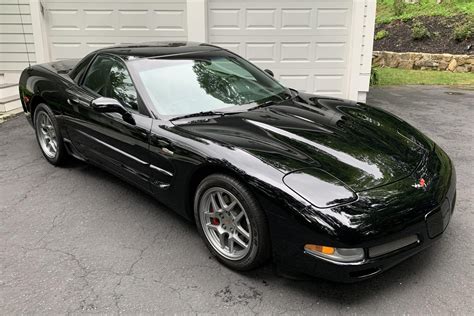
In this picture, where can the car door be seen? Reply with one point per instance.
(121, 146)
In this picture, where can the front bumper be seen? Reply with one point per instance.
(403, 211)
(302, 262)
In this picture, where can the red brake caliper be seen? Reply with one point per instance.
(214, 220)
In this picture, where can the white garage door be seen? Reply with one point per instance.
(305, 42)
(77, 27)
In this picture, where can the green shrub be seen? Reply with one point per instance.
(374, 77)
(419, 31)
(399, 7)
(381, 35)
(463, 32)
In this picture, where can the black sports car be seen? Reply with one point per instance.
(323, 186)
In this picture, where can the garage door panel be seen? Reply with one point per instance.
(262, 52)
(332, 18)
(260, 19)
(331, 82)
(305, 43)
(169, 20)
(332, 85)
(279, 18)
(294, 52)
(225, 19)
(126, 20)
(63, 19)
(100, 20)
(299, 82)
(77, 27)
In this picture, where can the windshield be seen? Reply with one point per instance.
(183, 86)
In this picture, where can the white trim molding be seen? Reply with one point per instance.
(39, 31)
(363, 11)
(197, 20)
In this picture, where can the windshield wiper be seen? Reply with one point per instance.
(288, 96)
(202, 113)
(262, 105)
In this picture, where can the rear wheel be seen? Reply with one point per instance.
(48, 135)
(231, 223)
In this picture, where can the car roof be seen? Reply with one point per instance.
(157, 49)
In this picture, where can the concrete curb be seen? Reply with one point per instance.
(10, 114)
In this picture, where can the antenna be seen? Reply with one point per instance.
(24, 35)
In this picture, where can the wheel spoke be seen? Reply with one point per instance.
(239, 241)
(210, 214)
(221, 200)
(215, 207)
(222, 240)
(231, 245)
(230, 206)
(238, 217)
(53, 145)
(243, 232)
(213, 227)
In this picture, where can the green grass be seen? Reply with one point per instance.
(385, 11)
(395, 76)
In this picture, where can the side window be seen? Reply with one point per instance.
(108, 77)
(121, 86)
(81, 67)
(97, 76)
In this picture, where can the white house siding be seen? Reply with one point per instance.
(78, 27)
(13, 50)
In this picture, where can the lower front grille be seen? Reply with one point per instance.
(392, 246)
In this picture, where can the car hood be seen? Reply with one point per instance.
(360, 145)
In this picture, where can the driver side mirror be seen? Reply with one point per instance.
(109, 105)
(268, 71)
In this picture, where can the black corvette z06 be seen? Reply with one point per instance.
(323, 186)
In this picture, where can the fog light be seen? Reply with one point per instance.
(335, 254)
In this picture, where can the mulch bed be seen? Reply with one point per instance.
(441, 41)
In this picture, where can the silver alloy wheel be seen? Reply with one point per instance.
(225, 223)
(46, 135)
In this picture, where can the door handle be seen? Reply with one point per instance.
(73, 101)
(157, 141)
(163, 143)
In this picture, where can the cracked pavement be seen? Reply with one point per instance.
(77, 239)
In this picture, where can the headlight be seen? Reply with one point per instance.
(319, 188)
(335, 254)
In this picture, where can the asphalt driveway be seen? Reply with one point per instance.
(77, 239)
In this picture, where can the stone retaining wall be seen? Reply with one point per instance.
(424, 61)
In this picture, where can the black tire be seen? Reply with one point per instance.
(61, 155)
(260, 245)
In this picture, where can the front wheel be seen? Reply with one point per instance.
(48, 135)
(231, 223)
